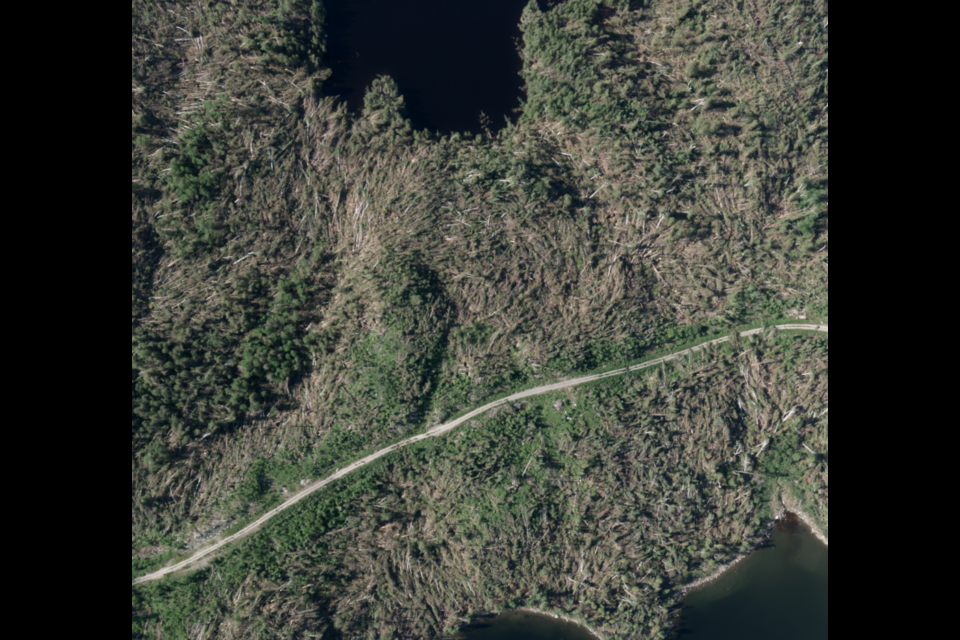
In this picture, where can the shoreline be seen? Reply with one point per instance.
(699, 582)
(794, 507)
(807, 520)
(592, 632)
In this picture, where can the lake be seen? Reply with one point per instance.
(778, 591)
(523, 625)
(451, 60)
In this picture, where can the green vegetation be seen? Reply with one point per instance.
(598, 506)
(309, 284)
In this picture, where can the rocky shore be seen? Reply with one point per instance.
(791, 508)
(564, 618)
(794, 507)
(699, 582)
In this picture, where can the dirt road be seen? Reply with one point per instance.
(197, 559)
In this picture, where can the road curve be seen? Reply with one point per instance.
(441, 429)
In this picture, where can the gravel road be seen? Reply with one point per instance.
(197, 559)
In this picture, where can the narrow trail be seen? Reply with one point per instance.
(197, 559)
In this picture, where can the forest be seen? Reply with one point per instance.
(597, 503)
(310, 284)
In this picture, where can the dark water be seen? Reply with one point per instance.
(779, 591)
(450, 58)
(524, 625)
